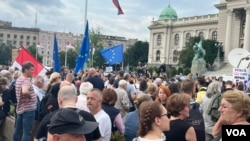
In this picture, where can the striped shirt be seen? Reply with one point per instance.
(25, 102)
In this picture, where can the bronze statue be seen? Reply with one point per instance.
(199, 51)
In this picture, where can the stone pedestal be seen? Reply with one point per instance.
(198, 66)
(217, 64)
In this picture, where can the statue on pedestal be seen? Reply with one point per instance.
(198, 63)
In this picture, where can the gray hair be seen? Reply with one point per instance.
(213, 88)
(100, 97)
(67, 93)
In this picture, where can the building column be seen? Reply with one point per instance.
(247, 30)
(228, 34)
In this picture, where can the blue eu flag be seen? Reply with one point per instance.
(83, 54)
(56, 56)
(113, 54)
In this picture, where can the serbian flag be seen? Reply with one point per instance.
(69, 45)
(25, 56)
(117, 5)
(38, 45)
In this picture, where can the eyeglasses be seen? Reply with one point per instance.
(167, 114)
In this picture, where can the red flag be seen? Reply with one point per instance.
(25, 56)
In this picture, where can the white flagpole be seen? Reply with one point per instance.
(85, 22)
(86, 10)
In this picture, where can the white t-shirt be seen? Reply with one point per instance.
(104, 125)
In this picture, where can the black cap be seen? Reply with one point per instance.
(68, 120)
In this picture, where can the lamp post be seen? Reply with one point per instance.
(218, 45)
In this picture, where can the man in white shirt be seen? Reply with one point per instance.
(94, 103)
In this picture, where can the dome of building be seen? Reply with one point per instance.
(168, 13)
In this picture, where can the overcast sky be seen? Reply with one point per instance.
(69, 15)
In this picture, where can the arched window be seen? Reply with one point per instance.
(175, 56)
(188, 36)
(214, 35)
(176, 39)
(158, 40)
(201, 35)
(158, 55)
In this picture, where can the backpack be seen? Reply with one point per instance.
(196, 120)
(12, 99)
(47, 104)
(12, 89)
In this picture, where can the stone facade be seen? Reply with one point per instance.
(231, 27)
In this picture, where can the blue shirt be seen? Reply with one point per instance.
(131, 125)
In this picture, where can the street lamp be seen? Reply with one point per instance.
(218, 45)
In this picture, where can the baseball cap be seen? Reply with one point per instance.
(68, 120)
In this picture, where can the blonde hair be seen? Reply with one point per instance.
(240, 101)
(52, 79)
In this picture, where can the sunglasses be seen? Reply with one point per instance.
(167, 114)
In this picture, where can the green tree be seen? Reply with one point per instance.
(32, 50)
(5, 57)
(71, 58)
(136, 53)
(186, 55)
(96, 42)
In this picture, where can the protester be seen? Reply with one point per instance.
(234, 110)
(67, 100)
(154, 120)
(178, 107)
(109, 100)
(4, 99)
(122, 103)
(212, 89)
(26, 103)
(132, 118)
(85, 87)
(94, 103)
(69, 125)
(163, 95)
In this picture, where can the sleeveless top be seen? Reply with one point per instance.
(178, 129)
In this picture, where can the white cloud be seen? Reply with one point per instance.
(69, 15)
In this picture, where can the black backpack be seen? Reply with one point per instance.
(12, 89)
(48, 104)
(196, 120)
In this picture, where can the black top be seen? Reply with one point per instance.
(6, 100)
(96, 81)
(43, 129)
(178, 129)
(112, 112)
(116, 82)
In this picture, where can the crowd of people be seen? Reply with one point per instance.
(103, 106)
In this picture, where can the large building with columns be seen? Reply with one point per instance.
(169, 34)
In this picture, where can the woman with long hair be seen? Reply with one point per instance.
(163, 94)
(153, 121)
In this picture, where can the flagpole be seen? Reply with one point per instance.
(86, 10)
(38, 33)
(85, 22)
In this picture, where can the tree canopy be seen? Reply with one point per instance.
(187, 54)
(5, 57)
(32, 50)
(136, 53)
